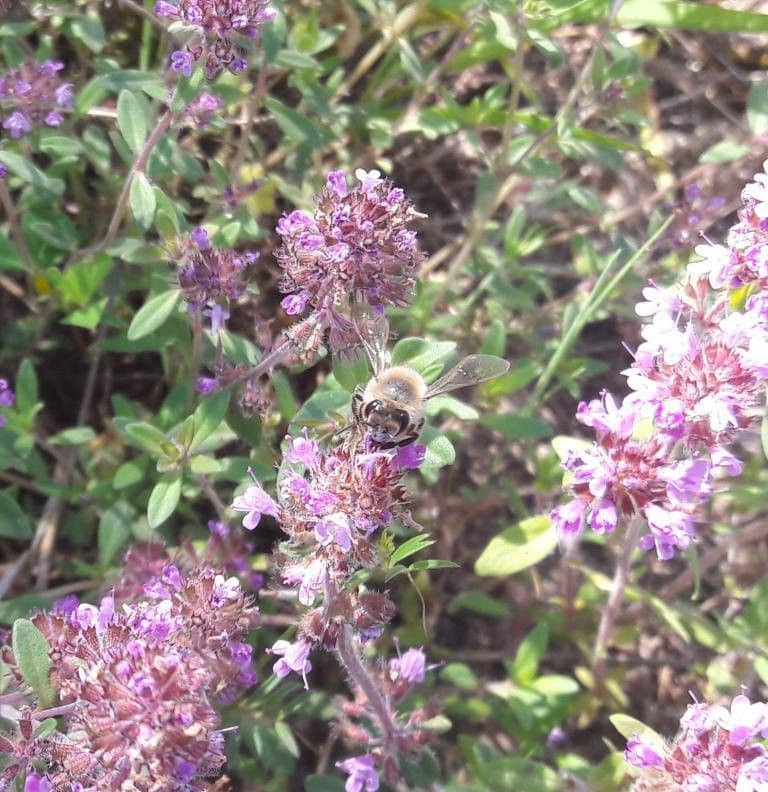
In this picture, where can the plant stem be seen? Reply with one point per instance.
(361, 677)
(615, 599)
(14, 223)
(139, 166)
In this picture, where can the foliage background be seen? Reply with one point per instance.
(541, 139)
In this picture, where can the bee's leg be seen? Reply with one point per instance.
(411, 437)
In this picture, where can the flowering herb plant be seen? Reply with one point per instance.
(233, 554)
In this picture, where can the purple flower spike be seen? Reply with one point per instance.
(220, 28)
(356, 246)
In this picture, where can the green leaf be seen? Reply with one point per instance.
(628, 727)
(88, 317)
(142, 201)
(460, 675)
(757, 108)
(432, 563)
(26, 387)
(163, 499)
(153, 314)
(422, 355)
(114, 530)
(146, 436)
(410, 547)
(450, 404)
(133, 119)
(295, 126)
(689, 16)
(517, 547)
(30, 650)
(525, 666)
(517, 426)
(89, 30)
(208, 415)
(440, 451)
(76, 435)
(478, 602)
(724, 151)
(25, 170)
(80, 282)
(14, 523)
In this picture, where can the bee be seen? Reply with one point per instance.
(392, 406)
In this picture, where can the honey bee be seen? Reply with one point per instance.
(392, 406)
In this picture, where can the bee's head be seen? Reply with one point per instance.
(385, 423)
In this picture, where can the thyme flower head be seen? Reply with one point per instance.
(220, 30)
(717, 748)
(357, 246)
(33, 95)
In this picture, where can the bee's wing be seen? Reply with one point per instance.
(469, 371)
(373, 330)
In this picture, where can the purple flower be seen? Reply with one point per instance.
(37, 783)
(33, 95)
(334, 528)
(7, 396)
(255, 502)
(369, 180)
(688, 481)
(568, 519)
(641, 754)
(362, 773)
(218, 315)
(337, 182)
(745, 721)
(164, 9)
(357, 246)
(303, 451)
(603, 517)
(172, 577)
(206, 385)
(218, 528)
(182, 62)
(164, 662)
(219, 28)
(210, 276)
(295, 304)
(199, 237)
(17, 124)
(410, 666)
(410, 457)
(293, 657)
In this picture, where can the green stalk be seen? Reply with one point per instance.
(599, 294)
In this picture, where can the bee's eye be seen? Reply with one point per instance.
(373, 406)
(402, 418)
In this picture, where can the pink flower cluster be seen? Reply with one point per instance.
(697, 379)
(211, 277)
(356, 247)
(219, 25)
(331, 503)
(32, 95)
(141, 677)
(717, 750)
